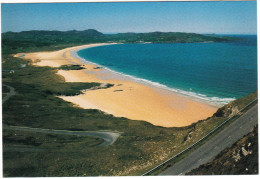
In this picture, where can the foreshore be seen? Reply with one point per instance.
(127, 98)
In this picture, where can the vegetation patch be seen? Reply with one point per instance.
(71, 67)
(118, 90)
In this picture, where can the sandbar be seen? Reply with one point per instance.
(127, 98)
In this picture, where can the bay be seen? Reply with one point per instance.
(213, 72)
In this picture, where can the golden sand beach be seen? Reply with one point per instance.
(127, 98)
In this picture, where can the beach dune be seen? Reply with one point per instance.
(126, 98)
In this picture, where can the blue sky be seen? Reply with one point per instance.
(198, 17)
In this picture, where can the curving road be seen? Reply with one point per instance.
(109, 137)
(11, 93)
(207, 152)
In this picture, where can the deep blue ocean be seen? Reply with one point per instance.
(214, 72)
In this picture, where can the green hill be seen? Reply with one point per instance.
(40, 38)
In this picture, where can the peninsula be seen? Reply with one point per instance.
(46, 38)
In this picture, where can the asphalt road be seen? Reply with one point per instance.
(207, 152)
(11, 93)
(109, 137)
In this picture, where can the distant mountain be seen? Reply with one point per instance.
(90, 33)
(40, 38)
(166, 37)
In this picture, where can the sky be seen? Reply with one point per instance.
(198, 17)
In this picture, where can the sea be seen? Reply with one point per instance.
(216, 73)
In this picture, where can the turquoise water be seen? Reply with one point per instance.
(213, 72)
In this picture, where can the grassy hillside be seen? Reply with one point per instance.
(140, 147)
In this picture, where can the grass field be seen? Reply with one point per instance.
(140, 147)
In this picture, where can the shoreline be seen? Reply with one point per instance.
(130, 98)
(212, 101)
